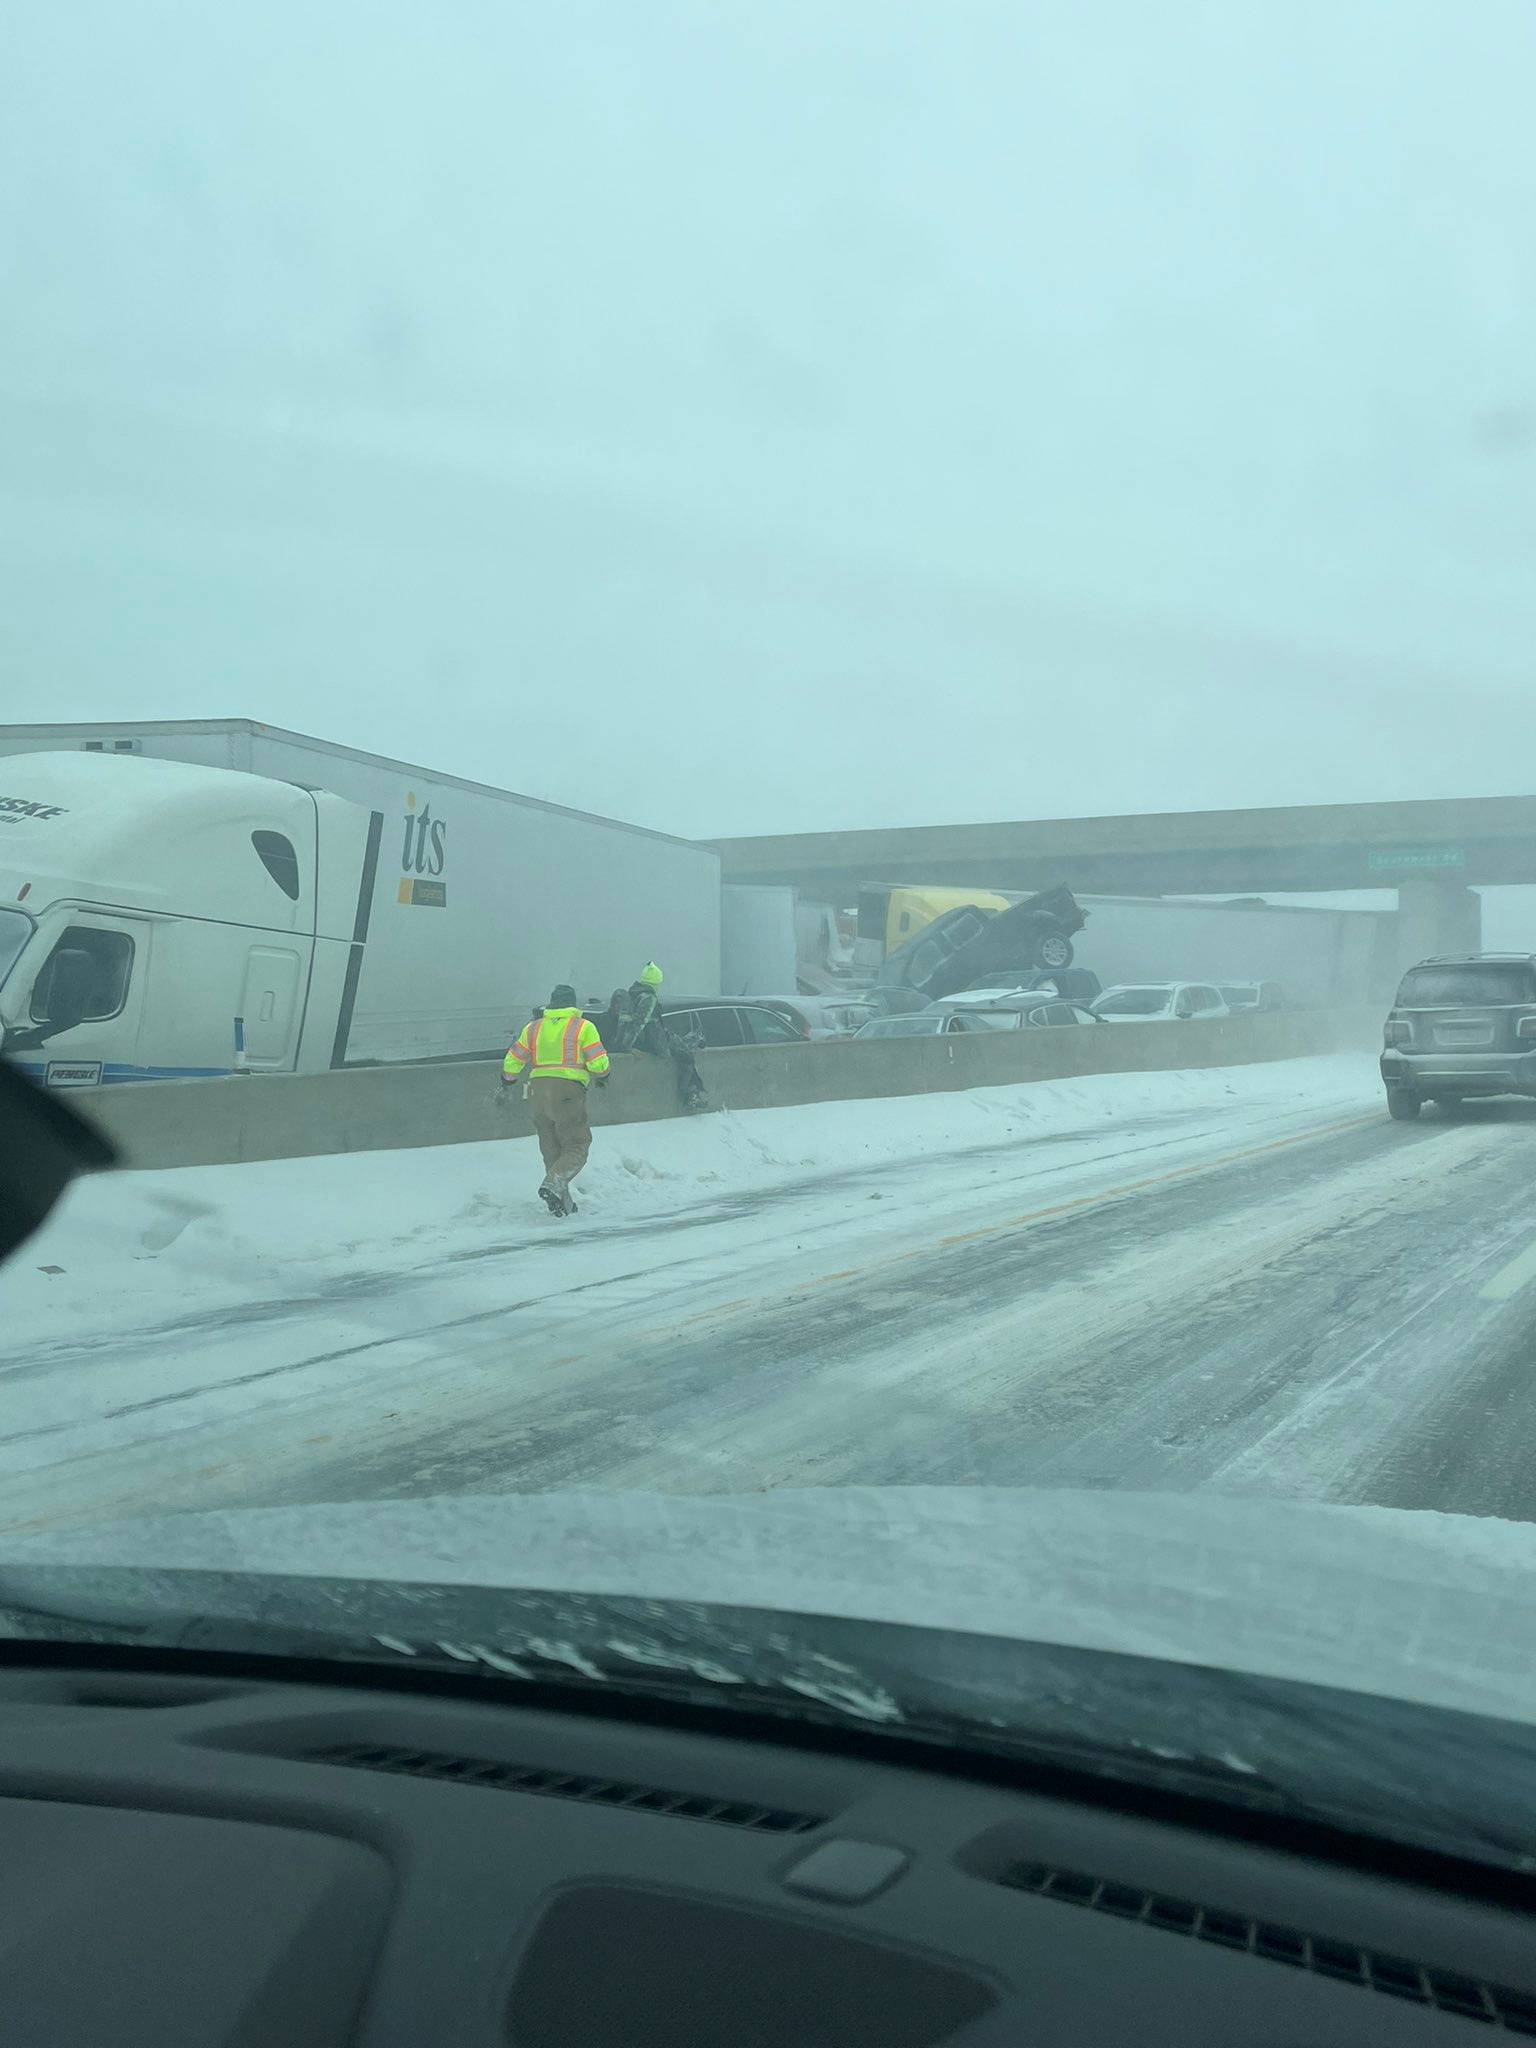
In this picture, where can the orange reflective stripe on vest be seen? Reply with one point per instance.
(562, 1044)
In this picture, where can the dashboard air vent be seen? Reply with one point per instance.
(546, 1784)
(1444, 1990)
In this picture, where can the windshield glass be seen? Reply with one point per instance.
(1477, 981)
(1134, 1002)
(544, 548)
(15, 930)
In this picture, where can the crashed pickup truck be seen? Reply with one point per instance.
(971, 946)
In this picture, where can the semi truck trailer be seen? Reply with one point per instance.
(196, 899)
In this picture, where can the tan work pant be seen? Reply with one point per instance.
(560, 1118)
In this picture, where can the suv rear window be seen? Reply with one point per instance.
(1470, 981)
(767, 1027)
(720, 1025)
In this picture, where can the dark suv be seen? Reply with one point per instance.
(1464, 1024)
(716, 1020)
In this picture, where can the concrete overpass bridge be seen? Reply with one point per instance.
(1433, 852)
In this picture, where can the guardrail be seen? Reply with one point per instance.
(369, 1109)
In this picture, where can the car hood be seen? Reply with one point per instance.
(1435, 1609)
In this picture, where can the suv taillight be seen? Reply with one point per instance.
(1396, 1032)
(1526, 1028)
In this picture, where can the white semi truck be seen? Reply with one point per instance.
(185, 899)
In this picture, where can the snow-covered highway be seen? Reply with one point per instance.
(1245, 1280)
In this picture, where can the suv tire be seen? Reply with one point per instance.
(1403, 1104)
(1055, 950)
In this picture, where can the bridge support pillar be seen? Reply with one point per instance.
(1437, 916)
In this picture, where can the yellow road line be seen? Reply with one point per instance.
(1130, 1187)
(927, 1247)
(1158, 1180)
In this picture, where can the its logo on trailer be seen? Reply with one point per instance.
(422, 856)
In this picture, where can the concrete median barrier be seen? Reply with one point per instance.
(367, 1109)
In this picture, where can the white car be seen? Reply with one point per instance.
(991, 998)
(940, 1024)
(1034, 1005)
(1252, 995)
(1158, 1002)
(1027, 1000)
(1055, 1011)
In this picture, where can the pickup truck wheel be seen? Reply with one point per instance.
(1055, 950)
(1403, 1104)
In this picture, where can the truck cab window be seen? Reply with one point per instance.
(111, 958)
(279, 860)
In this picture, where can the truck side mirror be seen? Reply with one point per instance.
(70, 974)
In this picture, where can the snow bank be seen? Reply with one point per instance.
(129, 1241)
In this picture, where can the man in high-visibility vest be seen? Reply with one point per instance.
(563, 1053)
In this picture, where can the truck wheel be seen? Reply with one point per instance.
(1055, 950)
(1403, 1105)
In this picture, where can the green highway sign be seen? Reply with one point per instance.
(1419, 857)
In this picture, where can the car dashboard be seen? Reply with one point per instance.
(217, 1857)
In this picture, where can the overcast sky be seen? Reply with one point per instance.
(738, 417)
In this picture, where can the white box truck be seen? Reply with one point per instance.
(159, 882)
(1316, 956)
(757, 940)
